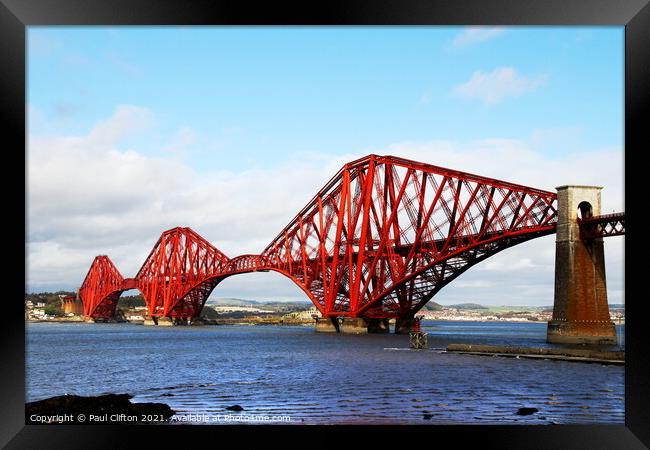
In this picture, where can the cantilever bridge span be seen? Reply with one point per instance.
(378, 241)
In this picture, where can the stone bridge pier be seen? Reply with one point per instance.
(580, 309)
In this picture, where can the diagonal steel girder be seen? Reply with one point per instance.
(380, 239)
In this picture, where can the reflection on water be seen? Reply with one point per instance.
(323, 378)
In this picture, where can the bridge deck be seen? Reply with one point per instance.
(605, 225)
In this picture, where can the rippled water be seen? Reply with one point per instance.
(316, 378)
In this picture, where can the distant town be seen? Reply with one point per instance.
(66, 307)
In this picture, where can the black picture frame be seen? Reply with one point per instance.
(16, 15)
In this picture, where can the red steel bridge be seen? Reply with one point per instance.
(378, 241)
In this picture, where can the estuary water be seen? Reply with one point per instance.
(292, 375)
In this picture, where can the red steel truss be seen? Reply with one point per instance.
(602, 226)
(379, 240)
(180, 273)
(385, 234)
(101, 288)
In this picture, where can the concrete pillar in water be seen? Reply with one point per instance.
(378, 326)
(165, 322)
(580, 309)
(327, 325)
(404, 325)
(160, 321)
(353, 325)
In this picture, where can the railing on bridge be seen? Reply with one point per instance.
(602, 226)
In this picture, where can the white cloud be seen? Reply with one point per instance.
(493, 87)
(87, 196)
(508, 266)
(126, 120)
(474, 35)
(560, 138)
(532, 262)
(516, 161)
(184, 137)
(473, 284)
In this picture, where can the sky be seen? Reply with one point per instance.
(232, 130)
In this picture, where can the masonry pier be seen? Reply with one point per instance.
(352, 325)
(327, 325)
(404, 325)
(580, 309)
(159, 321)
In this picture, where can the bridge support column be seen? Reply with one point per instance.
(378, 326)
(580, 309)
(165, 322)
(160, 321)
(353, 325)
(327, 325)
(404, 325)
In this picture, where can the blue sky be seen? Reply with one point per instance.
(280, 91)
(244, 104)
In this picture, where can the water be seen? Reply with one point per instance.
(314, 378)
(526, 334)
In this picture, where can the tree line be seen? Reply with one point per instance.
(53, 301)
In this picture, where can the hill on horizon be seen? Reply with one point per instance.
(433, 306)
(430, 306)
(468, 306)
(229, 301)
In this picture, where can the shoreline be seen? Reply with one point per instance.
(95, 409)
(284, 323)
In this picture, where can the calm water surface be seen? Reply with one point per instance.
(319, 378)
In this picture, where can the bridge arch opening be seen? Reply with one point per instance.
(131, 299)
(127, 303)
(259, 287)
(585, 210)
(521, 275)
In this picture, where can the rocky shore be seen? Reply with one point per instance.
(109, 408)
